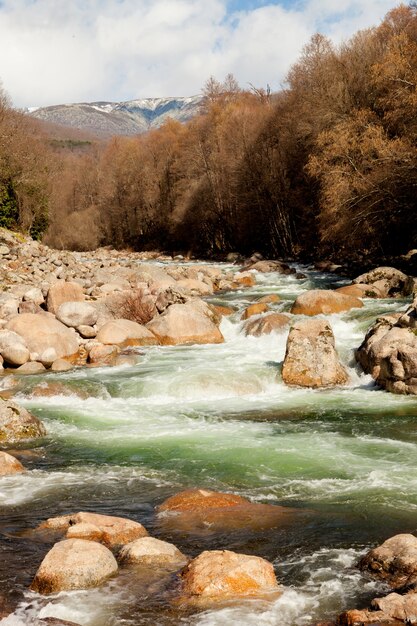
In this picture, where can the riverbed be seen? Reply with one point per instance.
(123, 439)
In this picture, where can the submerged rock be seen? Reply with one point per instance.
(151, 551)
(74, 564)
(254, 309)
(326, 301)
(192, 322)
(201, 512)
(311, 359)
(9, 465)
(216, 575)
(113, 531)
(267, 324)
(17, 424)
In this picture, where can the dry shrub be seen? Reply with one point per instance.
(137, 307)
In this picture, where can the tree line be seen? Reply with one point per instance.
(327, 166)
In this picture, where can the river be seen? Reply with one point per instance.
(219, 417)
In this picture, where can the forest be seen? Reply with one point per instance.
(327, 167)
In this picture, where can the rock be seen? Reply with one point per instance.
(246, 279)
(34, 295)
(125, 333)
(195, 287)
(34, 367)
(103, 355)
(266, 324)
(150, 551)
(362, 618)
(61, 365)
(224, 310)
(9, 465)
(388, 280)
(168, 296)
(389, 353)
(13, 348)
(201, 511)
(75, 314)
(325, 301)
(193, 499)
(54, 621)
(220, 574)
(115, 531)
(311, 359)
(187, 323)
(9, 306)
(87, 332)
(360, 291)
(29, 307)
(271, 298)
(254, 309)
(74, 564)
(398, 607)
(43, 332)
(61, 292)
(16, 423)
(395, 561)
(269, 266)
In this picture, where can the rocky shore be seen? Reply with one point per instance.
(62, 310)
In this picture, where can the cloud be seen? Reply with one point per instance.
(55, 51)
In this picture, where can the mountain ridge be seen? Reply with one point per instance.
(130, 117)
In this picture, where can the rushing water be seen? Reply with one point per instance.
(123, 439)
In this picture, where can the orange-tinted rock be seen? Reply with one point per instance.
(9, 465)
(193, 499)
(223, 310)
(220, 574)
(324, 301)
(360, 291)
(115, 530)
(245, 279)
(50, 389)
(192, 322)
(255, 309)
(266, 324)
(395, 561)
(124, 333)
(271, 298)
(204, 512)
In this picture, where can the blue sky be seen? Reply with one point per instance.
(56, 51)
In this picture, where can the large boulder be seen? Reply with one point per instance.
(17, 424)
(43, 333)
(254, 309)
(9, 465)
(392, 610)
(123, 332)
(388, 280)
(76, 314)
(202, 511)
(273, 322)
(192, 322)
(389, 352)
(217, 575)
(74, 564)
(113, 531)
(394, 561)
(269, 266)
(311, 359)
(324, 301)
(361, 291)
(61, 292)
(151, 551)
(13, 348)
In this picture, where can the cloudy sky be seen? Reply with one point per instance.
(56, 51)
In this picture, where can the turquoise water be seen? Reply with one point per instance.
(123, 439)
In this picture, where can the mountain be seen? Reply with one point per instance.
(105, 119)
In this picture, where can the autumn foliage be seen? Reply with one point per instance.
(326, 166)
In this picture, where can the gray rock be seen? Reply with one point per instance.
(75, 314)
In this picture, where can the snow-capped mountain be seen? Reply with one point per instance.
(120, 118)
